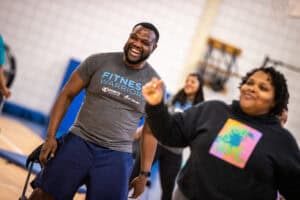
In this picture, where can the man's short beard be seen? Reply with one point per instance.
(134, 62)
(142, 59)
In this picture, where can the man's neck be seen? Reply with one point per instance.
(134, 66)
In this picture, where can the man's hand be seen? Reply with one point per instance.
(5, 92)
(138, 184)
(153, 91)
(48, 150)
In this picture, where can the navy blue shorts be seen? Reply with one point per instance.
(104, 171)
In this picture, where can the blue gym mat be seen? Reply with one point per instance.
(20, 160)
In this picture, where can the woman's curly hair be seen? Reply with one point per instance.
(279, 83)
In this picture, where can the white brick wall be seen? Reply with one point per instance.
(44, 35)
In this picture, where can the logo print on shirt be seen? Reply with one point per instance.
(120, 86)
(115, 81)
(235, 143)
(110, 91)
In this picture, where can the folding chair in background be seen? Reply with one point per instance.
(30, 161)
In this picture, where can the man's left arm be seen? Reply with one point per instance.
(148, 149)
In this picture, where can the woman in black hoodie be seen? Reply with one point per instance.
(238, 151)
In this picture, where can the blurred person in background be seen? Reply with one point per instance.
(283, 117)
(5, 92)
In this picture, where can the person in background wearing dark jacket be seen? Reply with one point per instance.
(170, 158)
(238, 151)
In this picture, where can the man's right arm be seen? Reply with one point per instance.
(61, 105)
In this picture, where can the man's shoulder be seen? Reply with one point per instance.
(151, 71)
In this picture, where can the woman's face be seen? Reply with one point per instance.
(191, 86)
(257, 94)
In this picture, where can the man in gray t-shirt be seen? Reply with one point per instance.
(97, 151)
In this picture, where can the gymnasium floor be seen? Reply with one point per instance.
(21, 136)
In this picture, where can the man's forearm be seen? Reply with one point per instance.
(70, 90)
(148, 148)
(59, 109)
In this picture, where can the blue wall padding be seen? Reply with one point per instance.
(40, 118)
(29, 114)
(76, 103)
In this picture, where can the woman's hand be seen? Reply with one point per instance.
(153, 91)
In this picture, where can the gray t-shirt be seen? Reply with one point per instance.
(114, 104)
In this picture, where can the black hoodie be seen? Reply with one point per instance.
(233, 155)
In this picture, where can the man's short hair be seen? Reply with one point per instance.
(149, 26)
